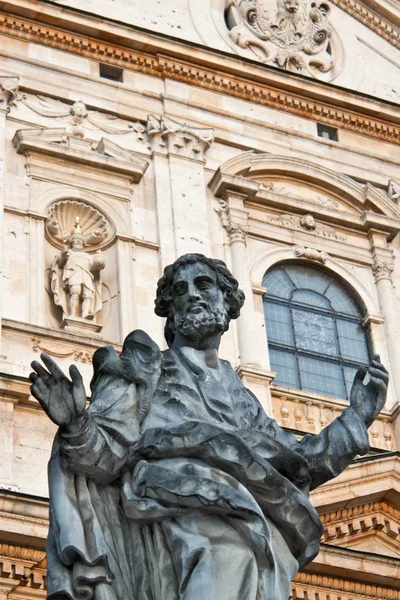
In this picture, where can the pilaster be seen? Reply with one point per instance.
(180, 191)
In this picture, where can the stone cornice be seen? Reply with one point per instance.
(373, 18)
(163, 58)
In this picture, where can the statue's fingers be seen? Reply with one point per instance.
(40, 371)
(76, 376)
(379, 384)
(38, 382)
(376, 362)
(38, 394)
(379, 374)
(52, 366)
(360, 375)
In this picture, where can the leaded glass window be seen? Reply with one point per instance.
(314, 327)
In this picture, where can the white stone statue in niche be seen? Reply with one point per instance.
(76, 278)
(291, 34)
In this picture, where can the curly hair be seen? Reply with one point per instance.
(227, 283)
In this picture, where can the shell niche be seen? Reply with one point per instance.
(97, 230)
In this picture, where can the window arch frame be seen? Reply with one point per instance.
(342, 360)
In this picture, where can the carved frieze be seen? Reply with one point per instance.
(312, 198)
(306, 223)
(291, 34)
(167, 135)
(79, 118)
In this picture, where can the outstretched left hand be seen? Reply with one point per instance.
(368, 400)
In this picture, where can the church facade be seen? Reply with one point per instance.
(265, 133)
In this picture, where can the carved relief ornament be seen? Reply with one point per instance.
(9, 93)
(310, 254)
(168, 135)
(382, 269)
(234, 223)
(78, 117)
(305, 223)
(291, 34)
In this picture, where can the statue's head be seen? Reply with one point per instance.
(76, 241)
(79, 110)
(290, 6)
(198, 296)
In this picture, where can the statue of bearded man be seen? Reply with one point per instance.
(174, 484)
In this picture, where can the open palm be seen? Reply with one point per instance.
(61, 398)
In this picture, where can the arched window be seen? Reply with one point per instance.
(314, 327)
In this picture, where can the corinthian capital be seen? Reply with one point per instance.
(382, 269)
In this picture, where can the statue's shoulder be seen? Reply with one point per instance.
(139, 361)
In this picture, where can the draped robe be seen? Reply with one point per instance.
(177, 485)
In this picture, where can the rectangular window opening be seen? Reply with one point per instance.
(110, 72)
(327, 133)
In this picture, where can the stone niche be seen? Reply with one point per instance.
(80, 287)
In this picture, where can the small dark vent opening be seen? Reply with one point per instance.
(110, 72)
(328, 133)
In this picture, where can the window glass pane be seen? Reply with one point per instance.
(322, 377)
(311, 299)
(352, 340)
(340, 300)
(349, 373)
(279, 323)
(306, 277)
(278, 284)
(285, 366)
(315, 332)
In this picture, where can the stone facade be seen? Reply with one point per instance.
(166, 130)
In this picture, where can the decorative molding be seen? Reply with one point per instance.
(167, 135)
(9, 93)
(104, 155)
(359, 520)
(21, 553)
(97, 231)
(310, 254)
(371, 19)
(294, 36)
(355, 119)
(60, 351)
(330, 587)
(78, 116)
(382, 269)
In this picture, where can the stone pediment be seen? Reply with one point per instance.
(104, 155)
(297, 186)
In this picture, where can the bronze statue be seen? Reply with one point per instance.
(174, 484)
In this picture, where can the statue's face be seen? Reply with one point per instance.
(291, 6)
(198, 302)
(79, 110)
(77, 243)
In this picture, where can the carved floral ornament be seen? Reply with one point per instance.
(168, 135)
(292, 34)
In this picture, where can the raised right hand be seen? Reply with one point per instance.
(63, 400)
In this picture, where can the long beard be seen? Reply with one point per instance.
(196, 326)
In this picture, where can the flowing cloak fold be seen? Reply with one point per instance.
(161, 448)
